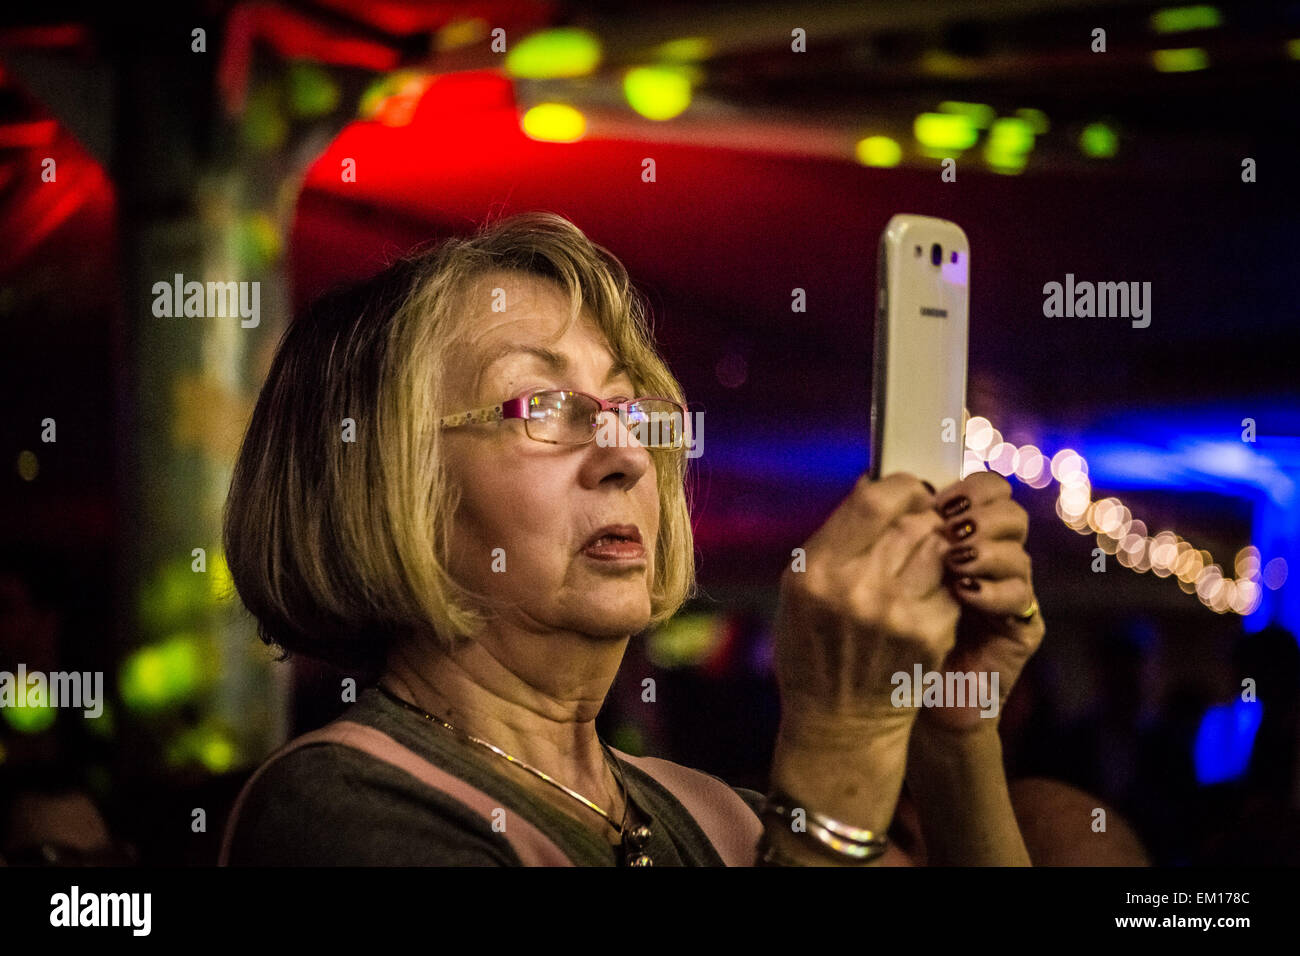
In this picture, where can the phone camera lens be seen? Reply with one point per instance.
(936, 254)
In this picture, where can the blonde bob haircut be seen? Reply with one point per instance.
(341, 548)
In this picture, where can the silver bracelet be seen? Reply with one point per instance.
(839, 839)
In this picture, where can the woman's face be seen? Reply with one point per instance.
(541, 503)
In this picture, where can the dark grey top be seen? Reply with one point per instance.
(329, 804)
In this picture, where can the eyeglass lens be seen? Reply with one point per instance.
(568, 418)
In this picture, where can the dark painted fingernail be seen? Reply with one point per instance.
(928, 487)
(964, 530)
(962, 555)
(955, 507)
(970, 584)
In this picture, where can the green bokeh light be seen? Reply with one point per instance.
(174, 597)
(209, 745)
(980, 114)
(154, 677)
(879, 151)
(1177, 19)
(945, 131)
(1185, 60)
(561, 52)
(657, 92)
(684, 640)
(1009, 144)
(29, 718)
(1099, 141)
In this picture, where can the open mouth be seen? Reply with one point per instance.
(618, 543)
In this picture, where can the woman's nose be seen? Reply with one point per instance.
(617, 448)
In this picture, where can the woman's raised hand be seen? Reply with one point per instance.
(869, 602)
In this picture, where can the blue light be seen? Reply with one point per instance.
(1225, 739)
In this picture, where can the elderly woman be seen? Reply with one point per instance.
(448, 481)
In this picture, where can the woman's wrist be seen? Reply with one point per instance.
(960, 785)
(848, 770)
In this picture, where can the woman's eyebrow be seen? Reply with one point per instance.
(555, 361)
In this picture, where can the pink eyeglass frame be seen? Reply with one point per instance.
(518, 408)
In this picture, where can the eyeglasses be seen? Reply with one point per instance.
(565, 417)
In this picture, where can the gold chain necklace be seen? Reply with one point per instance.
(634, 841)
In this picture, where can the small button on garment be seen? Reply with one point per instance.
(639, 837)
(641, 860)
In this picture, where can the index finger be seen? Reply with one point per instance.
(980, 487)
(869, 509)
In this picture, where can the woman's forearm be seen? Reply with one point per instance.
(960, 787)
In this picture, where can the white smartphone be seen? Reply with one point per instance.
(918, 386)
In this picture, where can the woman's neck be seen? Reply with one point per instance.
(534, 697)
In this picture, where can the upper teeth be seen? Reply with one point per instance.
(607, 538)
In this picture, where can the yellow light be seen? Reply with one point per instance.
(1119, 533)
(221, 584)
(1247, 597)
(1184, 60)
(155, 676)
(217, 754)
(1009, 144)
(980, 114)
(555, 53)
(1110, 517)
(27, 716)
(554, 123)
(945, 131)
(1178, 19)
(657, 92)
(879, 151)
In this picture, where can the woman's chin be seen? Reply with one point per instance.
(619, 616)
